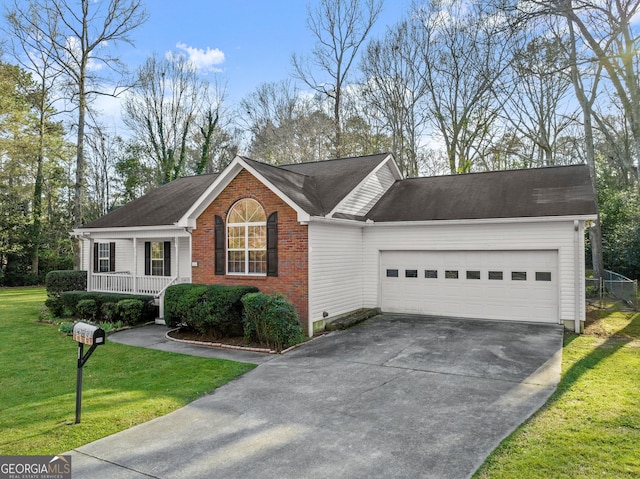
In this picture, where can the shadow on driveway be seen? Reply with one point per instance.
(396, 396)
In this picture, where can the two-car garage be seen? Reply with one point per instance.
(506, 285)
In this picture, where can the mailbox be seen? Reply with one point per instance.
(88, 334)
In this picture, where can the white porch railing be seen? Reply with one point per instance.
(124, 282)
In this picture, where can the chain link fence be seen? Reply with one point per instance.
(616, 285)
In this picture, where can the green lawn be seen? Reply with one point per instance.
(123, 385)
(590, 427)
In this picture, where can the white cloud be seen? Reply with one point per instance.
(204, 60)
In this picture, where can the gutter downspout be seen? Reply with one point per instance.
(576, 275)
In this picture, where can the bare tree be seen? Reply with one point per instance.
(286, 127)
(540, 109)
(607, 31)
(394, 88)
(162, 111)
(466, 51)
(340, 27)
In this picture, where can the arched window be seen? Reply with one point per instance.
(247, 238)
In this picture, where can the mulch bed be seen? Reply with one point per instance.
(236, 341)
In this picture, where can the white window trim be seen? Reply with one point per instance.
(246, 248)
(102, 257)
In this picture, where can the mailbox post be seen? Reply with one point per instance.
(90, 335)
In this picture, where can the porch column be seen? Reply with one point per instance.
(175, 242)
(92, 267)
(135, 264)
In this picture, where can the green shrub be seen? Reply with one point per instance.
(70, 300)
(178, 299)
(56, 308)
(214, 311)
(60, 281)
(271, 320)
(130, 310)
(87, 309)
(109, 312)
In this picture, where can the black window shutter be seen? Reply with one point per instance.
(112, 256)
(96, 266)
(272, 244)
(147, 258)
(219, 242)
(167, 258)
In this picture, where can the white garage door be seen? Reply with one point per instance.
(507, 285)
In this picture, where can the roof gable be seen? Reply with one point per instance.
(333, 180)
(540, 192)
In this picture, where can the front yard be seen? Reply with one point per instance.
(123, 385)
(590, 427)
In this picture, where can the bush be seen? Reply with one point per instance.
(271, 320)
(59, 281)
(178, 300)
(214, 311)
(56, 308)
(71, 299)
(87, 309)
(130, 310)
(109, 312)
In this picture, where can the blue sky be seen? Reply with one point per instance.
(253, 38)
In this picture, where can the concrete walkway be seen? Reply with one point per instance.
(395, 397)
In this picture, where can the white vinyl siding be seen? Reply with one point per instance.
(335, 269)
(558, 236)
(362, 199)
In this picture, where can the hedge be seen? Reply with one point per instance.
(271, 320)
(57, 282)
(107, 306)
(214, 311)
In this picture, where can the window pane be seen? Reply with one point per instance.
(157, 251)
(257, 237)
(451, 274)
(392, 273)
(473, 274)
(495, 275)
(103, 257)
(157, 267)
(518, 276)
(254, 212)
(543, 276)
(103, 250)
(410, 273)
(236, 237)
(236, 262)
(430, 273)
(257, 261)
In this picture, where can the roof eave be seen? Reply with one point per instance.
(520, 219)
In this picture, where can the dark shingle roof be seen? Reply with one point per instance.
(551, 191)
(162, 206)
(335, 179)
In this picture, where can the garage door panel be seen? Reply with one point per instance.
(533, 298)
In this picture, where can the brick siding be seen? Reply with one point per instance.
(292, 280)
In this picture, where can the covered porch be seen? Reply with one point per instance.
(136, 261)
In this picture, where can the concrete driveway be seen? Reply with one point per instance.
(396, 396)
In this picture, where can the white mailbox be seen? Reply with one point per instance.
(88, 334)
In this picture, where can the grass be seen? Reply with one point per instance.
(590, 427)
(123, 385)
